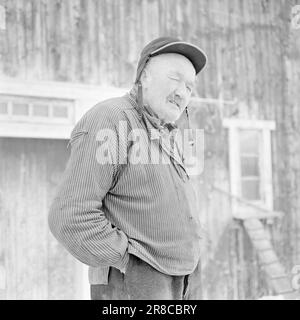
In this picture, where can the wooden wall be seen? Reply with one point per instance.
(253, 56)
(36, 266)
(288, 143)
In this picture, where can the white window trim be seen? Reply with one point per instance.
(234, 125)
(84, 97)
(12, 118)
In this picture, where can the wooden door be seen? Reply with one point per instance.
(33, 265)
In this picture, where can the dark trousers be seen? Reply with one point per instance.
(142, 282)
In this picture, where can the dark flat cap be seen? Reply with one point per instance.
(171, 45)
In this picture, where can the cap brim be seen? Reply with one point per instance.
(190, 51)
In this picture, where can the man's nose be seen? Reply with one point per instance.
(181, 90)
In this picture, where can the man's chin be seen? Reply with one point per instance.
(172, 117)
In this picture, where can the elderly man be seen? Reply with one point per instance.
(134, 223)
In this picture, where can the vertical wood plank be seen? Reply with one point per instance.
(20, 37)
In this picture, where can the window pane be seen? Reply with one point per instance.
(40, 110)
(60, 112)
(249, 142)
(250, 190)
(249, 166)
(20, 109)
(3, 108)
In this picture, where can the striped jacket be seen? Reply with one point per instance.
(102, 212)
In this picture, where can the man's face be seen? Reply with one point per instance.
(168, 81)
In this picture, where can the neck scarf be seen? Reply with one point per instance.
(146, 112)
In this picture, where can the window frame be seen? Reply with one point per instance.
(81, 96)
(241, 209)
(31, 102)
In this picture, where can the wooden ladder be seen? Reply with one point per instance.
(278, 279)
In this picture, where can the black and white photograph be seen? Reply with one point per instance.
(150, 150)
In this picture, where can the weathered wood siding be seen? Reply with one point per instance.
(36, 266)
(254, 57)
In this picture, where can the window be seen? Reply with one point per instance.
(36, 110)
(60, 111)
(3, 108)
(40, 110)
(39, 117)
(20, 109)
(250, 164)
(45, 109)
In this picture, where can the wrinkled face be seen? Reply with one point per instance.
(168, 81)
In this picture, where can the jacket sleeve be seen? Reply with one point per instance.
(76, 218)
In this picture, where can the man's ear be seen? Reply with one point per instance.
(145, 77)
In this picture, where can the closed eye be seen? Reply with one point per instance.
(188, 86)
(190, 89)
(174, 78)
